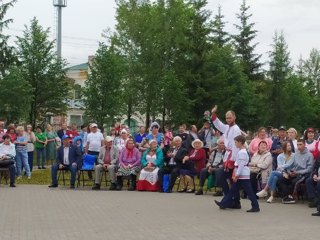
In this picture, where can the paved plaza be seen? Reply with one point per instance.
(30, 212)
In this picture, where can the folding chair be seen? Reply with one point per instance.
(87, 165)
(62, 172)
(104, 177)
(4, 173)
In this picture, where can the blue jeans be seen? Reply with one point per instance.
(41, 152)
(234, 195)
(273, 179)
(54, 171)
(30, 160)
(22, 160)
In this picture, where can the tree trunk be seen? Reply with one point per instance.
(148, 116)
(129, 114)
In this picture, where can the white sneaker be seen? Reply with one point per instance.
(18, 178)
(29, 177)
(270, 199)
(262, 193)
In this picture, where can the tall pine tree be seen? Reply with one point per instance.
(245, 45)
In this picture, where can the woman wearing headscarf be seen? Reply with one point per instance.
(129, 161)
(152, 161)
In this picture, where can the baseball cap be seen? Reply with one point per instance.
(282, 128)
(109, 139)
(65, 137)
(94, 125)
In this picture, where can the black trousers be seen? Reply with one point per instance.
(287, 186)
(12, 170)
(174, 172)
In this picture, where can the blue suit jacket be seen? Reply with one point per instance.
(74, 155)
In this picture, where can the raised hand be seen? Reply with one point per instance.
(214, 109)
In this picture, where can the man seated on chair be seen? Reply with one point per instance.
(7, 154)
(215, 162)
(107, 160)
(68, 158)
(295, 172)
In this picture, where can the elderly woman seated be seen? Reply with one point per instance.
(260, 166)
(129, 161)
(151, 161)
(7, 154)
(191, 166)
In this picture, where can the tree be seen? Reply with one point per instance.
(15, 96)
(311, 71)
(243, 43)
(103, 90)
(220, 36)
(280, 70)
(228, 87)
(46, 74)
(7, 56)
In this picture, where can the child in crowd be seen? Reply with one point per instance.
(241, 178)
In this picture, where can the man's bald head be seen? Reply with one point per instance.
(230, 117)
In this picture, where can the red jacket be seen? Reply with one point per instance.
(199, 158)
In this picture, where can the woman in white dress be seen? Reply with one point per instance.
(151, 161)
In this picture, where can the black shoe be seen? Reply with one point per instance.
(317, 214)
(219, 204)
(119, 187)
(53, 186)
(43, 168)
(253, 210)
(288, 200)
(199, 192)
(96, 187)
(236, 206)
(39, 167)
(12, 185)
(72, 187)
(217, 194)
(113, 186)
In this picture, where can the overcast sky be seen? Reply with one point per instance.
(84, 21)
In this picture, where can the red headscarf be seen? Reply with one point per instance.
(129, 151)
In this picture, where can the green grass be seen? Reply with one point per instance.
(41, 177)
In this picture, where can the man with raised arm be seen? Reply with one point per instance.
(230, 131)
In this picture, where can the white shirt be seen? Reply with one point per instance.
(94, 141)
(229, 133)
(66, 156)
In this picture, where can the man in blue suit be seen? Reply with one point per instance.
(68, 158)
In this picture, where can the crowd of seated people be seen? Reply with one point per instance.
(281, 163)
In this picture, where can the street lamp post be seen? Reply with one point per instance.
(59, 4)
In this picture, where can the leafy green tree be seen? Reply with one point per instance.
(7, 56)
(46, 74)
(102, 94)
(15, 96)
(228, 87)
(244, 44)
